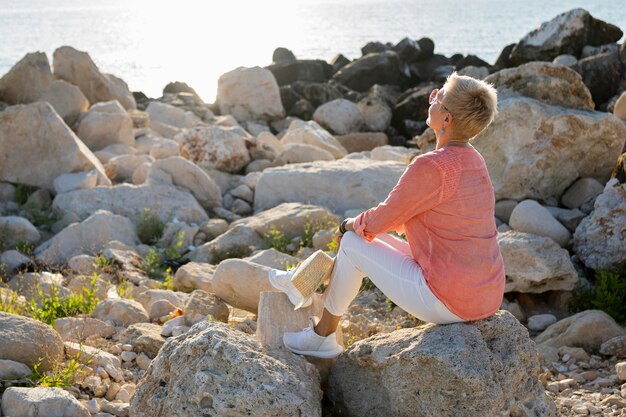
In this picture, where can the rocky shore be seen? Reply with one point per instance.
(136, 235)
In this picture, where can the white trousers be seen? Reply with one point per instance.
(388, 263)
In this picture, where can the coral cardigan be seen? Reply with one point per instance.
(444, 202)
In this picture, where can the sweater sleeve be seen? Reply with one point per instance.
(419, 189)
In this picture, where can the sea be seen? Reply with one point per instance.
(149, 43)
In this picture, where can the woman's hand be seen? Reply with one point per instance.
(349, 227)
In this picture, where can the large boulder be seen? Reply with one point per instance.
(190, 176)
(27, 341)
(602, 74)
(78, 329)
(338, 185)
(535, 264)
(41, 147)
(89, 237)
(312, 70)
(15, 229)
(600, 240)
(41, 402)
(194, 275)
(544, 81)
(340, 116)
(165, 202)
(121, 311)
(215, 147)
(25, 82)
(249, 94)
(145, 338)
(170, 115)
(106, 124)
(240, 283)
(202, 305)
(213, 370)
(567, 33)
(528, 137)
(77, 67)
(66, 99)
(373, 68)
(237, 242)
(297, 153)
(311, 133)
(483, 368)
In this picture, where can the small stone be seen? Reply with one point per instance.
(143, 361)
(580, 409)
(540, 322)
(620, 369)
(115, 349)
(128, 356)
(127, 347)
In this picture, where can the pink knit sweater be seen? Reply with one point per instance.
(444, 202)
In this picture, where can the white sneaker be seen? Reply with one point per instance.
(309, 343)
(281, 280)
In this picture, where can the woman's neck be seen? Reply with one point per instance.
(445, 140)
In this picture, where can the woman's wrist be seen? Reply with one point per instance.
(347, 225)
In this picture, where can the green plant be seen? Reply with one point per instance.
(103, 263)
(25, 248)
(168, 281)
(62, 374)
(10, 303)
(52, 306)
(277, 239)
(43, 219)
(22, 192)
(150, 227)
(610, 292)
(156, 263)
(367, 284)
(124, 288)
(313, 226)
(332, 246)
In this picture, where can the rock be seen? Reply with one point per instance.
(96, 358)
(88, 237)
(80, 328)
(201, 305)
(376, 113)
(26, 80)
(546, 82)
(595, 50)
(375, 376)
(540, 322)
(394, 153)
(165, 202)
(121, 168)
(303, 70)
(75, 181)
(310, 133)
(615, 346)
(374, 68)
(281, 55)
(291, 219)
(587, 329)
(41, 402)
(602, 74)
(149, 297)
(36, 286)
(237, 242)
(297, 153)
(215, 147)
(567, 33)
(595, 241)
(562, 144)
(220, 381)
(42, 147)
(478, 72)
(504, 208)
(7, 192)
(26, 340)
(535, 264)
(338, 185)
(340, 116)
(267, 147)
(15, 229)
(101, 288)
(13, 370)
(159, 309)
(244, 192)
(565, 60)
(568, 218)
(620, 107)
(145, 337)
(11, 260)
(413, 104)
(188, 175)
(66, 99)
(240, 283)
(359, 142)
(272, 323)
(193, 276)
(273, 259)
(531, 217)
(165, 148)
(514, 308)
(121, 311)
(170, 115)
(106, 124)
(249, 94)
(77, 68)
(582, 193)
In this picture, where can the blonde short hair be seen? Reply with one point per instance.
(472, 103)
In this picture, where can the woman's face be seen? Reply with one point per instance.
(437, 112)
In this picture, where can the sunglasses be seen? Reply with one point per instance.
(432, 99)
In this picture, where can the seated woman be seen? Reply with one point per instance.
(450, 268)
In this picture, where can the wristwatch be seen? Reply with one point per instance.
(342, 226)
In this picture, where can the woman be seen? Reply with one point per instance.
(450, 269)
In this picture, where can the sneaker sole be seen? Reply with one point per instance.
(279, 287)
(323, 355)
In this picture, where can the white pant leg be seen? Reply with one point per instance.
(395, 242)
(395, 273)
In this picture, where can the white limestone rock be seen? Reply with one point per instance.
(340, 116)
(249, 94)
(13, 370)
(235, 243)
(311, 133)
(75, 181)
(202, 305)
(170, 115)
(66, 99)
(16, 229)
(393, 153)
(106, 124)
(531, 217)
(296, 153)
(121, 311)
(26, 80)
(582, 194)
(540, 322)
(194, 275)
(41, 402)
(535, 264)
(121, 168)
(240, 283)
(78, 329)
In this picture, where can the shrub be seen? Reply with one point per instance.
(22, 192)
(277, 239)
(62, 374)
(610, 293)
(150, 228)
(54, 307)
(159, 260)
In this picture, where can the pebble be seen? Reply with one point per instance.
(127, 347)
(128, 356)
(143, 361)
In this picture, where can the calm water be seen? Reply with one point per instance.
(151, 42)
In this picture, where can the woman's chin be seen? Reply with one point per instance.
(428, 122)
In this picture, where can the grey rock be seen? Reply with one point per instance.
(41, 402)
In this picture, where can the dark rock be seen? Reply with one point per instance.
(601, 74)
(339, 62)
(395, 138)
(622, 53)
(567, 33)
(441, 74)
(302, 109)
(141, 99)
(176, 87)
(408, 50)
(472, 60)
(375, 68)
(427, 46)
(314, 70)
(282, 56)
(619, 171)
(289, 96)
(456, 58)
(504, 60)
(413, 104)
(595, 50)
(376, 47)
(411, 128)
(427, 69)
(318, 93)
